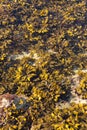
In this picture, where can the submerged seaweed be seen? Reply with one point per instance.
(43, 60)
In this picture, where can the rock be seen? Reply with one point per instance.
(6, 100)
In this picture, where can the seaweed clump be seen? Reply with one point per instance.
(42, 43)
